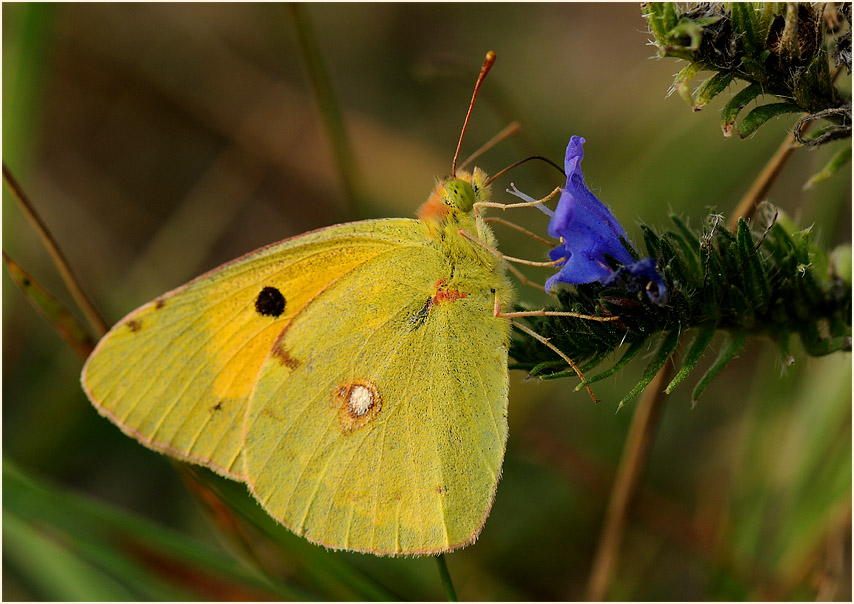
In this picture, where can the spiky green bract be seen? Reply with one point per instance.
(778, 49)
(773, 282)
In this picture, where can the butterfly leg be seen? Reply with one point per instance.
(509, 206)
(524, 231)
(543, 340)
(518, 274)
(505, 257)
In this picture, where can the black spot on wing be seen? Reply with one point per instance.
(270, 302)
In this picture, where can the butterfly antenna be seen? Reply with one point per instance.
(488, 62)
(522, 161)
(512, 129)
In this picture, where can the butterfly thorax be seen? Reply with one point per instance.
(460, 232)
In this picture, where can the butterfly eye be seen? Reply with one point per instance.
(459, 195)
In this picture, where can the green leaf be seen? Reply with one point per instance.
(711, 88)
(661, 17)
(631, 353)
(733, 345)
(839, 159)
(712, 290)
(814, 88)
(65, 324)
(698, 347)
(651, 241)
(762, 114)
(691, 29)
(688, 255)
(668, 345)
(735, 105)
(840, 263)
(755, 282)
(539, 368)
(745, 314)
(766, 18)
(680, 82)
(745, 27)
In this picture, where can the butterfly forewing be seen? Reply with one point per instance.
(176, 373)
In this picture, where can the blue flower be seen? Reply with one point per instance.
(591, 239)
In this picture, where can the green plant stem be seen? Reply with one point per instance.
(330, 113)
(96, 321)
(446, 578)
(632, 464)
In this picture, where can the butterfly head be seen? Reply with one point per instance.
(453, 199)
(459, 195)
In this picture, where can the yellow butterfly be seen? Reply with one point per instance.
(354, 377)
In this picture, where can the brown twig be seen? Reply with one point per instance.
(632, 464)
(90, 312)
(652, 508)
(772, 170)
(766, 179)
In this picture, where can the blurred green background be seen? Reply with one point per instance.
(161, 140)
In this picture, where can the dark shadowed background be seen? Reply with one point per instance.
(158, 141)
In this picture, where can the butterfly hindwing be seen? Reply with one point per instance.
(176, 373)
(378, 421)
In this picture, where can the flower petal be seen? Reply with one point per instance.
(587, 227)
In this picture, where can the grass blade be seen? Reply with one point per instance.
(152, 562)
(65, 324)
(329, 110)
(446, 578)
(92, 315)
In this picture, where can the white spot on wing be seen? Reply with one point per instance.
(361, 400)
(358, 402)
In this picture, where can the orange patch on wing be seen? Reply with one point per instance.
(444, 294)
